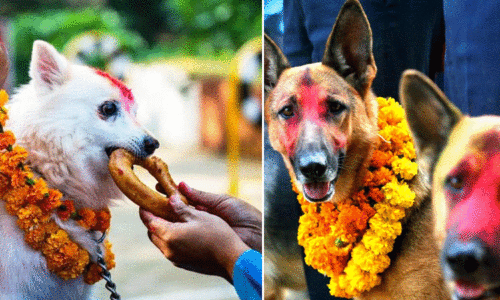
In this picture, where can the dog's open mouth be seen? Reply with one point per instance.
(473, 291)
(318, 191)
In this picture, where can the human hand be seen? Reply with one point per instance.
(243, 218)
(199, 242)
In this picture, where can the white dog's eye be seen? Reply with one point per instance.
(108, 109)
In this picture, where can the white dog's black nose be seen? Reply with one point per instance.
(150, 145)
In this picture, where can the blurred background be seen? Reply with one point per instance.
(194, 69)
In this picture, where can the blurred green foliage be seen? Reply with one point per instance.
(193, 27)
(58, 27)
(208, 28)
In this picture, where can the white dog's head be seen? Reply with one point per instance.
(70, 118)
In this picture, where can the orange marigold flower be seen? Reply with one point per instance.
(88, 218)
(52, 200)
(376, 195)
(381, 159)
(93, 274)
(65, 210)
(4, 185)
(37, 191)
(7, 139)
(18, 178)
(109, 256)
(103, 220)
(36, 237)
(10, 160)
(378, 177)
(30, 216)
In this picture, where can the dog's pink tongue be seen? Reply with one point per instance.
(469, 290)
(317, 190)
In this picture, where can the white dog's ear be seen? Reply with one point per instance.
(48, 68)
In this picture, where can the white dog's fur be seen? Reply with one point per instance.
(56, 117)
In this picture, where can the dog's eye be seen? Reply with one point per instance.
(286, 112)
(108, 108)
(335, 107)
(455, 183)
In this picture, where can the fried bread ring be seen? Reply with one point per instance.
(120, 167)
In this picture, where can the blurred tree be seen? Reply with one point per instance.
(12, 7)
(148, 17)
(213, 27)
(59, 26)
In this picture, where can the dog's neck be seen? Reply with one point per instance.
(79, 176)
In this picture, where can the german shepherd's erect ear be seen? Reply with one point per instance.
(275, 63)
(348, 51)
(431, 116)
(349, 47)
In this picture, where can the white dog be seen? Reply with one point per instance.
(69, 118)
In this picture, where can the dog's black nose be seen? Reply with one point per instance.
(466, 259)
(312, 165)
(150, 145)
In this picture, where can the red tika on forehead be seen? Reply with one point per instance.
(477, 211)
(127, 97)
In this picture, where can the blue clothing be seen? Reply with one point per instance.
(406, 35)
(472, 60)
(247, 275)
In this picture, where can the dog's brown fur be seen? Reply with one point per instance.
(445, 140)
(344, 77)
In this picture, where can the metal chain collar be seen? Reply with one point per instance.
(110, 285)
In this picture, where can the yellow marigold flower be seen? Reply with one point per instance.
(3, 117)
(383, 102)
(391, 115)
(4, 97)
(389, 212)
(405, 168)
(377, 244)
(398, 194)
(407, 150)
(369, 261)
(384, 229)
(360, 280)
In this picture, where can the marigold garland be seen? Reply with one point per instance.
(350, 241)
(36, 206)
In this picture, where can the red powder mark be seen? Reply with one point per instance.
(313, 107)
(477, 213)
(127, 98)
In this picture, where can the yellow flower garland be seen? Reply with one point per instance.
(350, 241)
(35, 206)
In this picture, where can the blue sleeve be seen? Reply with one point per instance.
(247, 275)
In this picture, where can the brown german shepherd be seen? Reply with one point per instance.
(322, 118)
(464, 154)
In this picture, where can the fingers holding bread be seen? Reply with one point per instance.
(120, 166)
